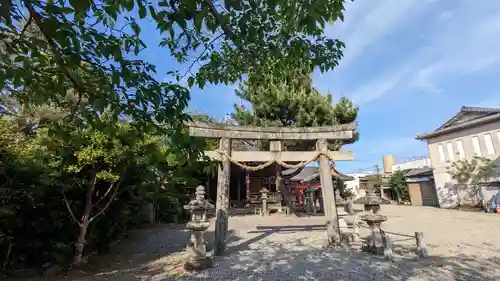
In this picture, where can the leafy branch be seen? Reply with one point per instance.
(471, 173)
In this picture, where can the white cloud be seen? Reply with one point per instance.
(382, 84)
(464, 44)
(367, 22)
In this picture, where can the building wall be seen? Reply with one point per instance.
(354, 185)
(444, 184)
(423, 192)
(417, 163)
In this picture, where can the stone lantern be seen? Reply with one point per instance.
(197, 256)
(374, 219)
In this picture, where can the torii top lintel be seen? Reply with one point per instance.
(217, 130)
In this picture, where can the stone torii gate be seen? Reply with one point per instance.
(225, 154)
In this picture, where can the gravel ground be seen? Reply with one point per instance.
(462, 246)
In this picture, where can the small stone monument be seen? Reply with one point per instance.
(197, 259)
(279, 199)
(264, 192)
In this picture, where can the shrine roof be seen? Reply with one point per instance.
(312, 173)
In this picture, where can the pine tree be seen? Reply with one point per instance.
(290, 100)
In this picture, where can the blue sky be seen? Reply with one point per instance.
(410, 65)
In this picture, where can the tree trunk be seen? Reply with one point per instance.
(398, 195)
(80, 244)
(84, 222)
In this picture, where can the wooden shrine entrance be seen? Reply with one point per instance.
(276, 135)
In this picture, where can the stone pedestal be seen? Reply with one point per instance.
(421, 248)
(352, 226)
(265, 210)
(375, 243)
(197, 250)
(310, 204)
(321, 204)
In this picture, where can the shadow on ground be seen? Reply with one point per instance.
(278, 253)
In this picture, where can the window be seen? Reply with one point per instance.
(449, 148)
(460, 148)
(488, 141)
(498, 137)
(442, 158)
(476, 146)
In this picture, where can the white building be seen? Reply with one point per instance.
(353, 185)
(413, 163)
(473, 131)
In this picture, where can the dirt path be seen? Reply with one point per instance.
(462, 246)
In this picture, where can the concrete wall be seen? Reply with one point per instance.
(444, 184)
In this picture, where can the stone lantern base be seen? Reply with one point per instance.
(198, 263)
(374, 243)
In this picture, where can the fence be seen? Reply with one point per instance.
(387, 242)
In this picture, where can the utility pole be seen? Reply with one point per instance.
(378, 181)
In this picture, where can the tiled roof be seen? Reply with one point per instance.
(488, 114)
(305, 173)
(312, 173)
(417, 172)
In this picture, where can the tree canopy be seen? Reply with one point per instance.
(290, 100)
(91, 48)
(397, 181)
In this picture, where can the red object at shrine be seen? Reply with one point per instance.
(301, 188)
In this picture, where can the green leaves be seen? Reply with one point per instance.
(129, 4)
(254, 33)
(473, 171)
(80, 6)
(397, 181)
(237, 5)
(92, 49)
(290, 100)
(92, 57)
